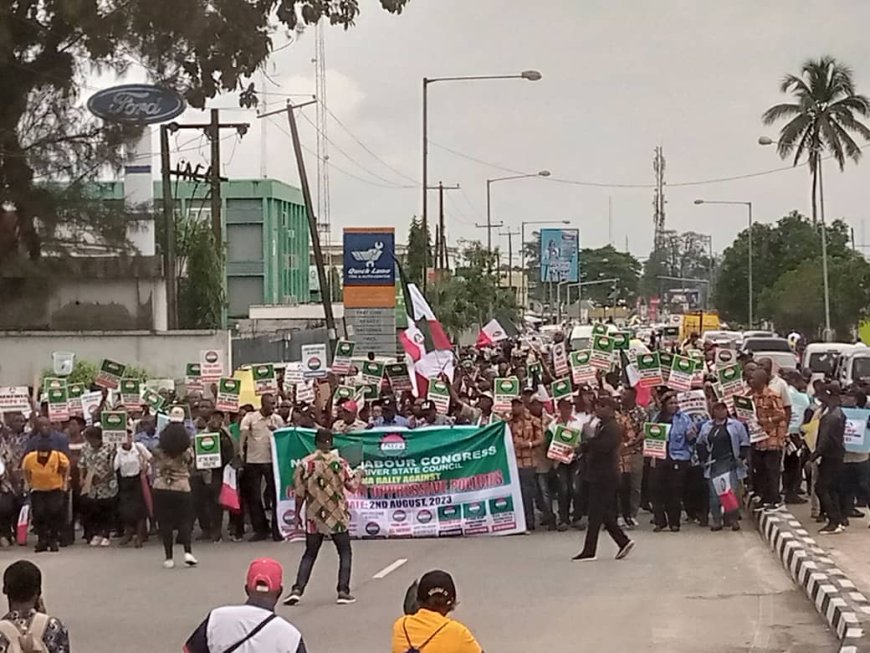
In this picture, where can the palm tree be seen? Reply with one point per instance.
(822, 120)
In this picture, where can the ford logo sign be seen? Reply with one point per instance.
(140, 104)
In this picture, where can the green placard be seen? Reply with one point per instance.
(505, 390)
(561, 388)
(114, 426)
(265, 379)
(229, 390)
(153, 399)
(655, 440)
(599, 330)
(439, 393)
(621, 340)
(372, 372)
(58, 403)
(207, 447)
(110, 374)
(344, 392)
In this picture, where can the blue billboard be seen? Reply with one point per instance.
(560, 250)
(368, 257)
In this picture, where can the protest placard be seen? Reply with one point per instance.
(305, 392)
(560, 358)
(649, 370)
(666, 359)
(439, 393)
(343, 392)
(110, 374)
(564, 444)
(131, 393)
(341, 361)
(655, 440)
(193, 378)
(621, 340)
(731, 380)
(228, 395)
(581, 368)
(400, 378)
(265, 379)
(74, 392)
(506, 389)
(744, 409)
(58, 404)
(90, 401)
(694, 404)
(724, 357)
(535, 369)
(372, 372)
(114, 426)
(561, 388)
(14, 398)
(599, 329)
(153, 399)
(857, 424)
(212, 365)
(314, 361)
(682, 371)
(602, 353)
(207, 447)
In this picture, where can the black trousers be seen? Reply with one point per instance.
(667, 483)
(48, 515)
(696, 495)
(602, 512)
(566, 490)
(529, 489)
(765, 474)
(313, 541)
(98, 516)
(828, 489)
(854, 485)
(252, 483)
(174, 512)
(792, 466)
(205, 501)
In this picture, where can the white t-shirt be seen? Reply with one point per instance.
(224, 627)
(780, 387)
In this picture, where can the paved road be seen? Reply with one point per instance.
(687, 592)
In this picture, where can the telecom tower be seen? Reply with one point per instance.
(323, 224)
(659, 200)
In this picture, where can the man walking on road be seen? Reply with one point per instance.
(831, 450)
(602, 459)
(320, 482)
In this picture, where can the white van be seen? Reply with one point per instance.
(854, 366)
(581, 337)
(822, 357)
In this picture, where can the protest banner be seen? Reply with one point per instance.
(400, 379)
(207, 448)
(90, 401)
(724, 357)
(444, 481)
(655, 440)
(110, 374)
(602, 353)
(292, 375)
(665, 361)
(58, 404)
(649, 370)
(506, 389)
(74, 392)
(341, 361)
(372, 373)
(564, 444)
(731, 380)
(439, 393)
(14, 398)
(212, 365)
(193, 378)
(228, 395)
(343, 392)
(314, 361)
(560, 358)
(694, 404)
(856, 438)
(599, 329)
(114, 426)
(682, 371)
(621, 340)
(561, 388)
(744, 409)
(581, 368)
(131, 393)
(304, 392)
(153, 399)
(265, 379)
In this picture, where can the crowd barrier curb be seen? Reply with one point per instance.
(835, 597)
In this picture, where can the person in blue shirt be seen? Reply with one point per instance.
(668, 478)
(389, 415)
(146, 433)
(42, 431)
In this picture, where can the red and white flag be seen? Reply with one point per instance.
(229, 495)
(492, 333)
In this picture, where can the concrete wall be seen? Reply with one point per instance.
(24, 354)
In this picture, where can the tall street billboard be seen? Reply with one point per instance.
(560, 250)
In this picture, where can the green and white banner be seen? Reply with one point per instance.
(427, 482)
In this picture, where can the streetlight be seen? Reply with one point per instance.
(523, 248)
(748, 205)
(766, 140)
(530, 75)
(489, 182)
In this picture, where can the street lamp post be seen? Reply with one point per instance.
(748, 206)
(815, 154)
(523, 249)
(530, 75)
(490, 182)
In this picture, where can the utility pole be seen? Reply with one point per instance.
(312, 219)
(169, 220)
(510, 234)
(440, 231)
(659, 199)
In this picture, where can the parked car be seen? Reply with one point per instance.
(781, 359)
(822, 357)
(854, 365)
(764, 343)
(721, 338)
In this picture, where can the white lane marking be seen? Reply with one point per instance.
(389, 569)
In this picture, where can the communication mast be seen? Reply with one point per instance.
(323, 223)
(659, 200)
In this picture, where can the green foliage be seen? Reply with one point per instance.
(201, 296)
(684, 255)
(49, 47)
(777, 250)
(418, 253)
(609, 263)
(84, 371)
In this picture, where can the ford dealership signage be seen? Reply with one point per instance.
(140, 104)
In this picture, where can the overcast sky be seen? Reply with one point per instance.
(619, 78)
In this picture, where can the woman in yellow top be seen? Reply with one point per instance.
(46, 472)
(429, 630)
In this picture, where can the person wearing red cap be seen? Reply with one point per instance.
(347, 421)
(253, 626)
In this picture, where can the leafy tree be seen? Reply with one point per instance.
(200, 265)
(532, 254)
(419, 244)
(48, 46)
(776, 249)
(608, 263)
(683, 256)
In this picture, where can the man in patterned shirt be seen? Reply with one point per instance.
(767, 452)
(26, 622)
(320, 482)
(528, 436)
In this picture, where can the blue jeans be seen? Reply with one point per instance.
(715, 505)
